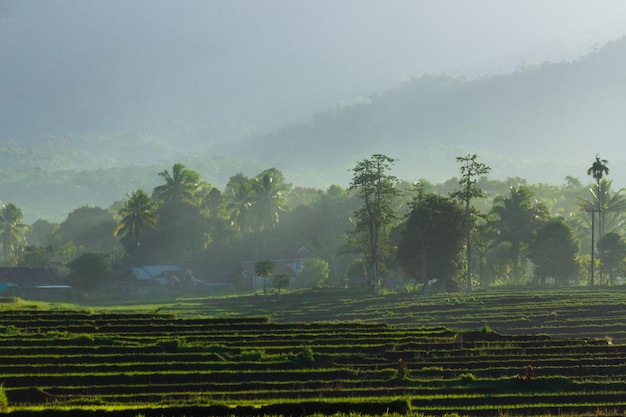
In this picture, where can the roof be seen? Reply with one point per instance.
(155, 271)
(50, 287)
(30, 277)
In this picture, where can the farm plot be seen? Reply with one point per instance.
(158, 364)
(562, 312)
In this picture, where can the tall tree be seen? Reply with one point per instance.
(137, 215)
(12, 230)
(471, 171)
(431, 246)
(180, 185)
(513, 221)
(269, 199)
(239, 197)
(612, 211)
(377, 189)
(597, 170)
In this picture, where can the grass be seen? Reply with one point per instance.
(275, 360)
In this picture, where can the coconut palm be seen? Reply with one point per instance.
(611, 205)
(181, 185)
(239, 197)
(210, 200)
(11, 228)
(269, 199)
(138, 215)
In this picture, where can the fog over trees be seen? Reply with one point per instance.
(96, 95)
(248, 118)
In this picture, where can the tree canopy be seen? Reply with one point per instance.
(431, 246)
(377, 189)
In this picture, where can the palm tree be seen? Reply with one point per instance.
(597, 170)
(181, 185)
(239, 197)
(612, 207)
(269, 200)
(12, 229)
(210, 200)
(138, 215)
(513, 221)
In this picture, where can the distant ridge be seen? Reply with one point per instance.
(540, 123)
(555, 113)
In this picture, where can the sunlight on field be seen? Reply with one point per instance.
(490, 353)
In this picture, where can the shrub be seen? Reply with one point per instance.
(305, 358)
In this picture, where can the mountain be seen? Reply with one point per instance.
(540, 123)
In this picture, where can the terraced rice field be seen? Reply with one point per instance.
(163, 364)
(565, 313)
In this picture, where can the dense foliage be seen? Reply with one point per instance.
(432, 240)
(379, 230)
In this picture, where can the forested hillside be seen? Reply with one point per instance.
(539, 123)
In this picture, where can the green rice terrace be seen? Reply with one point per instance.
(326, 352)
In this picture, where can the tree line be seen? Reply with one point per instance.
(377, 231)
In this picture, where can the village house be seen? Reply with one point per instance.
(42, 284)
(165, 280)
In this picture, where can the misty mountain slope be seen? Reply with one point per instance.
(539, 123)
(557, 113)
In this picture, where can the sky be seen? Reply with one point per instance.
(76, 65)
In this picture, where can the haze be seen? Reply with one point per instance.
(308, 87)
(90, 66)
